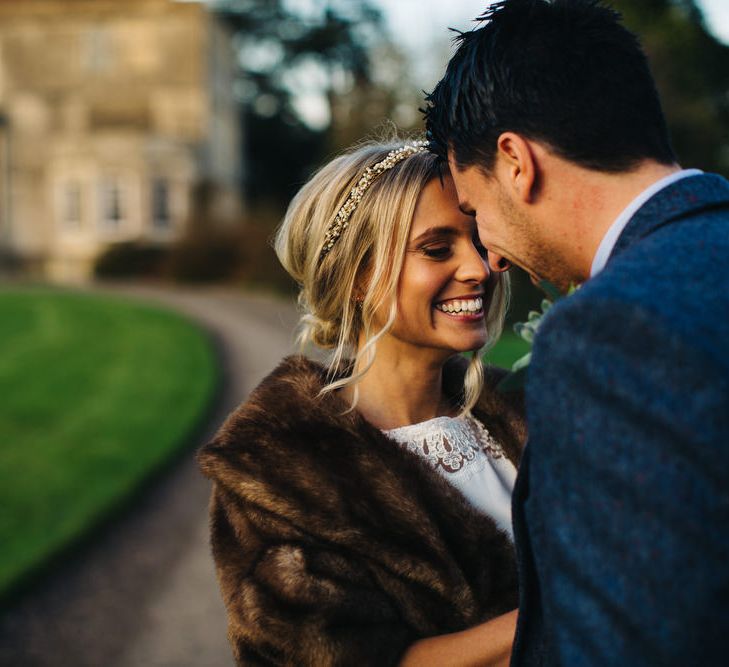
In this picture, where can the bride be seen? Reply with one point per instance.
(361, 509)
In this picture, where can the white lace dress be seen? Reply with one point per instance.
(465, 453)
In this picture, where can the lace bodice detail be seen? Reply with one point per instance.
(448, 443)
(461, 450)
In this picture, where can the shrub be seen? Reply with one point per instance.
(132, 259)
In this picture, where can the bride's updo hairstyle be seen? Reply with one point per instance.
(345, 282)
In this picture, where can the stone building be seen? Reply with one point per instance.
(111, 112)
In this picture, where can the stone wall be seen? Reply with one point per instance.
(110, 112)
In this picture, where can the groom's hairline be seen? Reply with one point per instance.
(479, 165)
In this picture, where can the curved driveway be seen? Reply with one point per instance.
(143, 592)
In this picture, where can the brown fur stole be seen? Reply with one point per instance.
(336, 546)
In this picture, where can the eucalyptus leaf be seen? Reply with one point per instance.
(527, 330)
(524, 332)
(522, 362)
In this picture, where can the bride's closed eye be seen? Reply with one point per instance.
(440, 251)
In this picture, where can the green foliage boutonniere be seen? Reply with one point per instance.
(516, 379)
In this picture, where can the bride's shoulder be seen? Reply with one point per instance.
(276, 409)
(296, 376)
(289, 390)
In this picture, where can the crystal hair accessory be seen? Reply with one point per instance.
(341, 220)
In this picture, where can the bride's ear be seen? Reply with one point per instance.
(517, 163)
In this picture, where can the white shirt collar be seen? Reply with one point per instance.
(613, 233)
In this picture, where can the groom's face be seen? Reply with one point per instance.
(505, 227)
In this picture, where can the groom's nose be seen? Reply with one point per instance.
(498, 263)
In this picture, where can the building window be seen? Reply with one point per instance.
(160, 204)
(71, 205)
(112, 209)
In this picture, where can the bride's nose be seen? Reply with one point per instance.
(498, 263)
(472, 267)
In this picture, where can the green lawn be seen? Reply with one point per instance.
(509, 348)
(95, 393)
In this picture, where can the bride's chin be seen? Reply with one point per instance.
(469, 344)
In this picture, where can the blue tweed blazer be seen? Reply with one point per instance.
(621, 508)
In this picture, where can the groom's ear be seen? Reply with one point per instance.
(517, 164)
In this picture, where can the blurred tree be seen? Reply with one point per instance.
(691, 68)
(296, 60)
(389, 100)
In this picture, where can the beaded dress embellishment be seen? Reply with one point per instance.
(450, 444)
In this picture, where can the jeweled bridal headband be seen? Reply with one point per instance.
(341, 220)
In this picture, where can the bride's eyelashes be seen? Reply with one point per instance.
(445, 250)
(436, 251)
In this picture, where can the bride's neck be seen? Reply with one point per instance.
(401, 389)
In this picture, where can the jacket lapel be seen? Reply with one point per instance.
(686, 197)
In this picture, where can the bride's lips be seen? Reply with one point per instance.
(464, 308)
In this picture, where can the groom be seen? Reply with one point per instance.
(550, 122)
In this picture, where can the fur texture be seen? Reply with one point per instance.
(336, 546)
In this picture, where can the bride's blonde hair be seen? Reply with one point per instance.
(341, 291)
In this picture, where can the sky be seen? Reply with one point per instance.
(421, 27)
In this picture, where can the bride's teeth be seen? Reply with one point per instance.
(461, 306)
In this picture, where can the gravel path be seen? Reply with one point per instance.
(143, 591)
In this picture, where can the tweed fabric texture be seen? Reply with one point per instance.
(621, 507)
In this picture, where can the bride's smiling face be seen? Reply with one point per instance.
(445, 286)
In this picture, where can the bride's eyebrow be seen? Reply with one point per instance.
(433, 233)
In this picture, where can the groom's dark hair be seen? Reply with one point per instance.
(563, 72)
